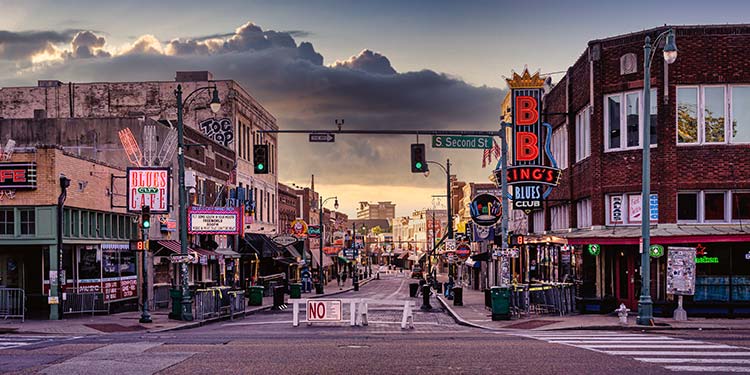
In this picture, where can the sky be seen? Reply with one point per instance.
(376, 64)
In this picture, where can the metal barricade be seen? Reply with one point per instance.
(79, 303)
(237, 302)
(12, 303)
(161, 296)
(206, 305)
(217, 302)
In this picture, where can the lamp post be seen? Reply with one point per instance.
(319, 289)
(645, 306)
(215, 104)
(447, 170)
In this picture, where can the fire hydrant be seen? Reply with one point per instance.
(622, 312)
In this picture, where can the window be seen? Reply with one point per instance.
(583, 213)
(559, 216)
(7, 221)
(687, 206)
(626, 209)
(538, 221)
(583, 134)
(624, 123)
(713, 114)
(713, 206)
(740, 113)
(28, 222)
(560, 146)
(741, 206)
(75, 224)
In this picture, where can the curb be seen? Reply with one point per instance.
(462, 321)
(349, 289)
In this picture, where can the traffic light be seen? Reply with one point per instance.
(146, 217)
(260, 159)
(418, 158)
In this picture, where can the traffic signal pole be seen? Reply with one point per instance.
(145, 226)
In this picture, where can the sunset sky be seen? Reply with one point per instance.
(377, 64)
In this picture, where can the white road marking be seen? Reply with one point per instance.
(713, 369)
(670, 353)
(621, 346)
(736, 361)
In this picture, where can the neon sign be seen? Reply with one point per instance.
(707, 260)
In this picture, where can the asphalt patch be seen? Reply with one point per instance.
(531, 324)
(110, 328)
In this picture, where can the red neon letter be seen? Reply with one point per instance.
(526, 147)
(526, 113)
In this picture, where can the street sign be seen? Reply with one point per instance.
(284, 240)
(322, 137)
(450, 245)
(323, 310)
(314, 231)
(511, 253)
(190, 258)
(452, 141)
(463, 250)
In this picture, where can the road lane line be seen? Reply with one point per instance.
(736, 361)
(673, 353)
(623, 346)
(712, 369)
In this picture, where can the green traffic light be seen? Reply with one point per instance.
(418, 165)
(261, 166)
(147, 224)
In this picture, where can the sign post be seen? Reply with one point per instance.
(322, 137)
(323, 310)
(466, 142)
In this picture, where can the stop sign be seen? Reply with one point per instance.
(463, 250)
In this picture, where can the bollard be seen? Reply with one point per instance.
(278, 298)
(356, 286)
(458, 296)
(377, 276)
(426, 298)
(413, 288)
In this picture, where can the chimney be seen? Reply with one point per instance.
(193, 76)
(312, 183)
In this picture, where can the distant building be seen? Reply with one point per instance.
(372, 211)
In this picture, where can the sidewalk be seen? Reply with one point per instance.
(83, 325)
(473, 313)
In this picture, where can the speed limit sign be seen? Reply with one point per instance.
(450, 245)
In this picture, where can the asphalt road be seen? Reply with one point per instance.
(267, 343)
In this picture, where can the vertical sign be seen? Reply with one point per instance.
(534, 171)
(148, 187)
(615, 209)
(681, 271)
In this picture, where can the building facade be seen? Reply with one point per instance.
(373, 211)
(700, 169)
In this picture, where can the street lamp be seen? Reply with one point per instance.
(447, 170)
(645, 305)
(319, 289)
(215, 104)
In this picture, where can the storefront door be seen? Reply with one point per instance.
(10, 273)
(626, 278)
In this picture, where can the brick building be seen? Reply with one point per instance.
(289, 207)
(700, 169)
(380, 210)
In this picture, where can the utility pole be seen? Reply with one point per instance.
(504, 187)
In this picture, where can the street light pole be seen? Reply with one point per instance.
(322, 236)
(186, 303)
(645, 305)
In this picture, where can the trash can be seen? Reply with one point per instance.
(255, 294)
(500, 302)
(176, 296)
(295, 290)
(413, 288)
(278, 298)
(458, 296)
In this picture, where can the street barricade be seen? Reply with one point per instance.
(217, 302)
(161, 296)
(359, 308)
(12, 303)
(79, 303)
(540, 299)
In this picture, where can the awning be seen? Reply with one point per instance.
(262, 245)
(172, 245)
(343, 259)
(227, 253)
(327, 262)
(481, 257)
(293, 251)
(207, 253)
(414, 258)
(662, 234)
(404, 256)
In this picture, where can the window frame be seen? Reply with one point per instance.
(727, 215)
(730, 114)
(583, 133)
(625, 197)
(698, 200)
(731, 205)
(702, 115)
(701, 206)
(583, 213)
(623, 120)
(29, 225)
(8, 211)
(560, 146)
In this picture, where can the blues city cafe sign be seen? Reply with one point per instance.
(16, 176)
(534, 171)
(148, 186)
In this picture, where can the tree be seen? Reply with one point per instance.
(377, 230)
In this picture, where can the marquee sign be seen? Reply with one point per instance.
(485, 209)
(149, 187)
(215, 220)
(17, 176)
(534, 171)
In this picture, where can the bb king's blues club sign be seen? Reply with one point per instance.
(534, 171)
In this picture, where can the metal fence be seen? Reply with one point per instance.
(161, 296)
(79, 303)
(218, 302)
(557, 299)
(12, 303)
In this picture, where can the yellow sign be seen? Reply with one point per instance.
(299, 228)
(53, 300)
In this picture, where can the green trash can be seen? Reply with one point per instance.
(176, 296)
(295, 290)
(255, 295)
(500, 302)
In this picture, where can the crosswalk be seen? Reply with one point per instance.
(16, 341)
(676, 354)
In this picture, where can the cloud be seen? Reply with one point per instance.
(23, 45)
(290, 80)
(368, 61)
(86, 45)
